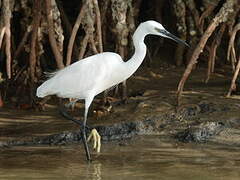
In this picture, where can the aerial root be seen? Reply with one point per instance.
(212, 55)
(218, 19)
(96, 140)
(51, 35)
(231, 52)
(204, 15)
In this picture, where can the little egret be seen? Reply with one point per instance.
(92, 75)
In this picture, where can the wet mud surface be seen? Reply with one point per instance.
(189, 123)
(203, 115)
(149, 129)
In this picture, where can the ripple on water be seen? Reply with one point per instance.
(142, 158)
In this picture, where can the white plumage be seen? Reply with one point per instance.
(85, 77)
(90, 76)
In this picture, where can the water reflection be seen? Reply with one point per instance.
(97, 169)
(141, 158)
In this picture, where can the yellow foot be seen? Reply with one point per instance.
(96, 140)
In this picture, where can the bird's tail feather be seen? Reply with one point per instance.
(45, 89)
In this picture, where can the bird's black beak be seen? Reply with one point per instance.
(173, 37)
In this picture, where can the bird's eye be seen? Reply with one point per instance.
(157, 29)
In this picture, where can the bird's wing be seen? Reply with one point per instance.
(86, 76)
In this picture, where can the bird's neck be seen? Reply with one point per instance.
(140, 52)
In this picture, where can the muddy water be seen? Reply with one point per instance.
(143, 157)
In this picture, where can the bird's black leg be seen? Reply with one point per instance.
(83, 128)
(66, 115)
(84, 135)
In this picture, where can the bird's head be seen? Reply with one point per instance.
(155, 28)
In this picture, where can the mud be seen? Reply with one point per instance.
(198, 129)
(203, 115)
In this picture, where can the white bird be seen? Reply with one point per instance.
(92, 75)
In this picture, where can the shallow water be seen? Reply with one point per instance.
(144, 157)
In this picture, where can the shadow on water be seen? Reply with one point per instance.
(143, 157)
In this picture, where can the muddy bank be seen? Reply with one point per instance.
(188, 123)
(205, 114)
